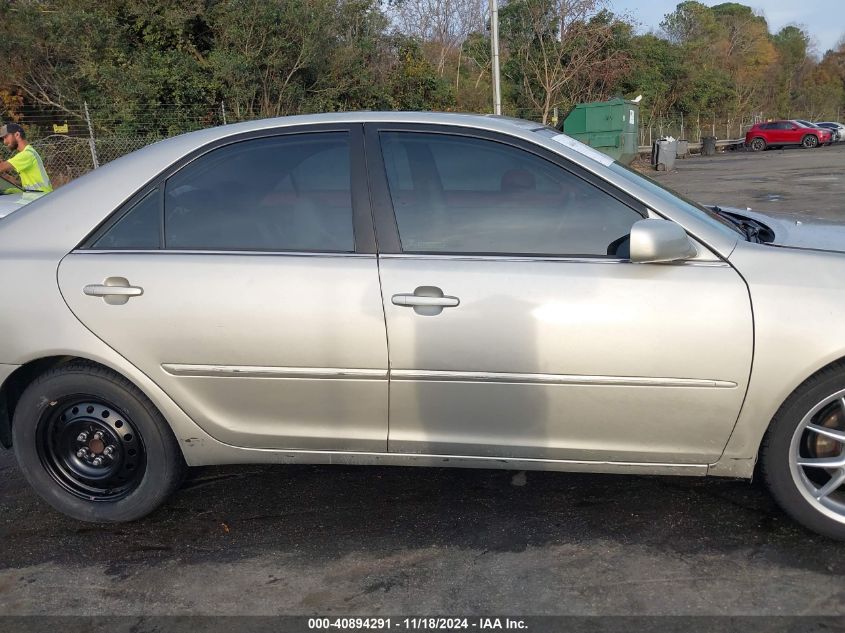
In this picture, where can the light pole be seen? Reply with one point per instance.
(494, 45)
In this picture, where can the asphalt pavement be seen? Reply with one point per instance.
(806, 181)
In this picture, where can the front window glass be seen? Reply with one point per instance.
(457, 194)
(663, 192)
(673, 197)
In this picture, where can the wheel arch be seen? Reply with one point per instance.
(17, 382)
(835, 366)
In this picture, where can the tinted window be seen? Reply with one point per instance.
(139, 228)
(454, 194)
(767, 126)
(289, 193)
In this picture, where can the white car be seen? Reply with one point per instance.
(837, 128)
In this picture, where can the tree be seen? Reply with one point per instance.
(550, 44)
(691, 23)
(791, 44)
(441, 24)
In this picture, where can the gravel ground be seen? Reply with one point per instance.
(389, 541)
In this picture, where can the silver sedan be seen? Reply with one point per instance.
(418, 290)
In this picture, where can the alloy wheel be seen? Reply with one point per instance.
(817, 457)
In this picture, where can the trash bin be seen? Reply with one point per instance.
(612, 127)
(663, 154)
(683, 148)
(708, 146)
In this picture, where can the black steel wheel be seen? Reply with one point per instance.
(94, 446)
(91, 449)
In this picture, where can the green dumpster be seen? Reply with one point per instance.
(611, 127)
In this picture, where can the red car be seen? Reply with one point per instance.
(776, 134)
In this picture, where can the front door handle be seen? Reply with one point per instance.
(407, 300)
(426, 300)
(114, 290)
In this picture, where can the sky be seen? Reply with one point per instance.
(822, 19)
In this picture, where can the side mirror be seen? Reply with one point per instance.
(657, 240)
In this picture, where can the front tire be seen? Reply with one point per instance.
(810, 141)
(93, 446)
(803, 454)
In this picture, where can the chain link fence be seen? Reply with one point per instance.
(72, 144)
(73, 148)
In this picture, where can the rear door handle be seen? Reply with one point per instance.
(95, 290)
(114, 290)
(408, 300)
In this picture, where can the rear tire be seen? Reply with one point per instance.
(805, 429)
(810, 141)
(93, 446)
(757, 144)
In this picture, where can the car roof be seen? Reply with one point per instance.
(503, 123)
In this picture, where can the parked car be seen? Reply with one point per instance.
(12, 196)
(227, 296)
(837, 128)
(806, 123)
(777, 134)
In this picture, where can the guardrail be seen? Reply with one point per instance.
(646, 149)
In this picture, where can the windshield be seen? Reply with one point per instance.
(9, 186)
(661, 191)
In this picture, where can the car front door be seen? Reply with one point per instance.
(517, 325)
(245, 284)
(791, 133)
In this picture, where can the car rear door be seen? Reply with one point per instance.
(772, 132)
(245, 284)
(518, 327)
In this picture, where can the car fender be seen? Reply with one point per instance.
(797, 304)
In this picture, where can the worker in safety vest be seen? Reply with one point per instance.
(27, 162)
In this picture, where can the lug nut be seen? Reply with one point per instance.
(98, 461)
(98, 435)
(108, 450)
(82, 453)
(82, 437)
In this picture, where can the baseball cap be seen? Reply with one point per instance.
(10, 128)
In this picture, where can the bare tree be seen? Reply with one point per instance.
(445, 24)
(556, 44)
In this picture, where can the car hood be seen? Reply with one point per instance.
(11, 202)
(798, 230)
